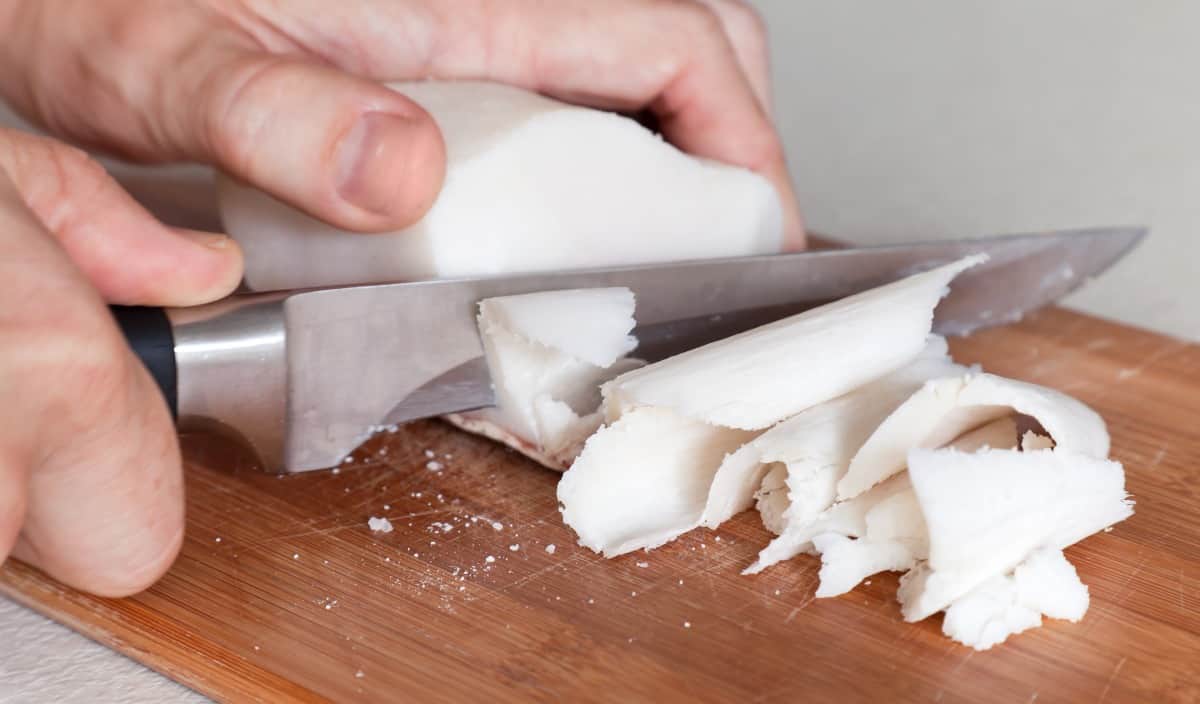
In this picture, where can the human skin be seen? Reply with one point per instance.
(285, 95)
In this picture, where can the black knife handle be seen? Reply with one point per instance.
(148, 331)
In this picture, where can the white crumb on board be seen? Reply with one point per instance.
(497, 525)
(434, 466)
(514, 547)
(687, 624)
(643, 565)
(489, 559)
(379, 525)
(295, 556)
(551, 548)
(430, 454)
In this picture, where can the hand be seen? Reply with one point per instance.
(89, 464)
(286, 96)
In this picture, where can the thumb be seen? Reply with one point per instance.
(129, 256)
(343, 149)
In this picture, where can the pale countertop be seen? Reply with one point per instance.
(1049, 116)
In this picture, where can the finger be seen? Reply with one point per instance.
(14, 486)
(128, 255)
(82, 421)
(346, 150)
(746, 32)
(671, 57)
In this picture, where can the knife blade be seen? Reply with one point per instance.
(304, 377)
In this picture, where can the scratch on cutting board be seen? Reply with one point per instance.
(1112, 678)
(1151, 360)
(534, 575)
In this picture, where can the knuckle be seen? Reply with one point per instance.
(695, 18)
(236, 112)
(745, 24)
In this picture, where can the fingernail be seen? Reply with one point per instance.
(367, 161)
(212, 240)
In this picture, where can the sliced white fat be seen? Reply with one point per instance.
(719, 395)
(891, 534)
(845, 518)
(531, 184)
(642, 480)
(548, 353)
(760, 377)
(771, 499)
(1044, 584)
(846, 562)
(1000, 434)
(944, 409)
(590, 324)
(816, 445)
(986, 511)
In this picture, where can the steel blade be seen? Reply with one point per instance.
(364, 356)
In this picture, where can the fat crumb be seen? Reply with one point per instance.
(295, 556)
(434, 466)
(379, 525)
(359, 674)
(514, 547)
(643, 565)
(336, 470)
(217, 539)
(497, 525)
(489, 559)
(551, 548)
(348, 460)
(687, 624)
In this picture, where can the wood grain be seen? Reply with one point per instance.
(283, 594)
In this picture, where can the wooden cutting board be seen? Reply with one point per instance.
(282, 593)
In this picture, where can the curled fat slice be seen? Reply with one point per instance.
(548, 353)
(846, 562)
(1000, 434)
(1044, 584)
(771, 499)
(816, 445)
(760, 377)
(893, 534)
(987, 511)
(642, 480)
(846, 518)
(531, 184)
(944, 409)
(590, 324)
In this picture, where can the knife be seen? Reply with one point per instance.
(303, 377)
